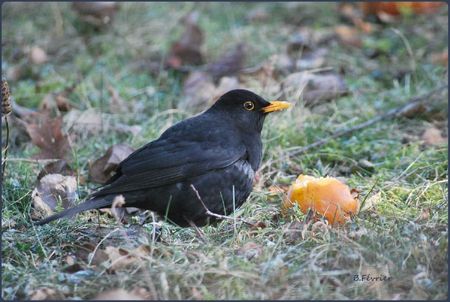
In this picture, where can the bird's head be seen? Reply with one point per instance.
(246, 109)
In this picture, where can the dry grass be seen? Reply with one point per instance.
(403, 235)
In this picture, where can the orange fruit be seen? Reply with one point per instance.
(396, 8)
(327, 196)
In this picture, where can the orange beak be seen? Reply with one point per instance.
(276, 106)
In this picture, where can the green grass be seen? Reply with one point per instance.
(403, 235)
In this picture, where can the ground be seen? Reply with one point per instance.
(400, 236)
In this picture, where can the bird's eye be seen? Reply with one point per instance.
(249, 105)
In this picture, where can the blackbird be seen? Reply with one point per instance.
(217, 152)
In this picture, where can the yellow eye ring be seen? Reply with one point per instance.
(249, 106)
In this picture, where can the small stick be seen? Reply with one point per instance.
(6, 147)
(412, 105)
(197, 230)
(208, 212)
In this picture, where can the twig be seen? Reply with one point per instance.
(6, 147)
(412, 105)
(33, 161)
(209, 213)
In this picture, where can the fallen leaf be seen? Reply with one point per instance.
(196, 294)
(117, 258)
(424, 215)
(398, 8)
(63, 103)
(46, 293)
(71, 265)
(187, 50)
(53, 190)
(312, 59)
(37, 55)
(358, 233)
(46, 133)
(296, 230)
(102, 169)
(89, 121)
(348, 35)
(433, 136)
(319, 227)
(56, 101)
(440, 58)
(366, 164)
(225, 84)
(96, 13)
(123, 128)
(313, 87)
(350, 11)
(257, 14)
(121, 294)
(198, 91)
(117, 104)
(262, 78)
(277, 189)
(370, 202)
(58, 167)
(250, 250)
(230, 63)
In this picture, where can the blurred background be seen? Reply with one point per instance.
(91, 82)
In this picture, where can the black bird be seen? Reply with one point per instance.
(218, 152)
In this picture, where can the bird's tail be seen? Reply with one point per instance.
(85, 206)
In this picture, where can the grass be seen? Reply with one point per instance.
(403, 234)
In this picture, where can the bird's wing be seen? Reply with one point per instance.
(170, 160)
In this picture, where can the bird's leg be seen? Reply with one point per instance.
(98, 218)
(208, 212)
(199, 232)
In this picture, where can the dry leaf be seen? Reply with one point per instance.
(102, 169)
(250, 250)
(198, 91)
(58, 167)
(257, 14)
(230, 63)
(51, 191)
(424, 215)
(432, 136)
(117, 104)
(96, 13)
(45, 293)
(312, 59)
(83, 122)
(296, 230)
(348, 35)
(37, 55)
(277, 189)
(397, 8)
(63, 103)
(55, 101)
(313, 87)
(262, 78)
(121, 294)
(440, 58)
(116, 258)
(46, 133)
(371, 201)
(196, 294)
(187, 50)
(357, 234)
(354, 15)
